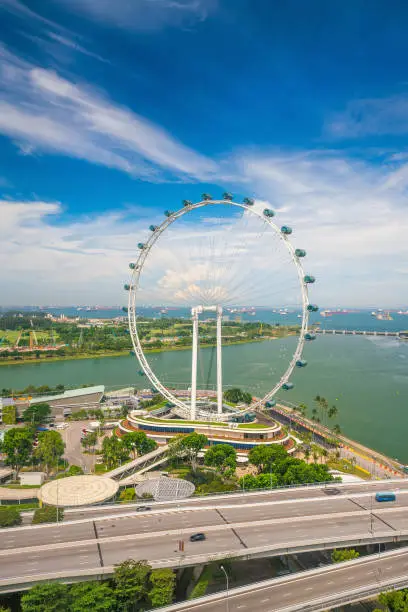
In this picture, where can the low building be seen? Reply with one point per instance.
(32, 478)
(63, 404)
(242, 436)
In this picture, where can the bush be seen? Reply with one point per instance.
(48, 514)
(9, 517)
(128, 494)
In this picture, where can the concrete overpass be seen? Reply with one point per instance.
(243, 526)
(311, 591)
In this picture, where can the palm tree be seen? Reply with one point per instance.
(332, 412)
(314, 414)
(336, 429)
(303, 409)
(324, 453)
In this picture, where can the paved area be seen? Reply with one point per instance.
(73, 447)
(78, 491)
(231, 526)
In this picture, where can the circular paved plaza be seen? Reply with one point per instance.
(165, 489)
(78, 491)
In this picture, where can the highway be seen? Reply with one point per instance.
(295, 493)
(313, 590)
(259, 524)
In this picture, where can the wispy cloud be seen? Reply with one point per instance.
(45, 111)
(350, 215)
(50, 35)
(371, 117)
(144, 14)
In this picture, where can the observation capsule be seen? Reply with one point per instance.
(300, 253)
(133, 266)
(270, 403)
(301, 363)
(227, 196)
(141, 373)
(206, 196)
(132, 353)
(127, 287)
(308, 279)
(287, 386)
(312, 307)
(285, 229)
(248, 201)
(187, 203)
(141, 246)
(152, 228)
(268, 212)
(309, 336)
(154, 390)
(168, 213)
(125, 309)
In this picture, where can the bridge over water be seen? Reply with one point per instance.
(360, 332)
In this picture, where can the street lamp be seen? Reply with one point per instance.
(227, 579)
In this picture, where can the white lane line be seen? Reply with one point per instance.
(265, 600)
(309, 589)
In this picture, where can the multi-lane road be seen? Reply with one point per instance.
(236, 525)
(313, 590)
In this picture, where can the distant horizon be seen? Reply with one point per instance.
(42, 308)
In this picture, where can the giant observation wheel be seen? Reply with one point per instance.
(266, 217)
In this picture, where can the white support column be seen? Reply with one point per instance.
(219, 360)
(194, 312)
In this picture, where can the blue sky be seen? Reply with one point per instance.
(112, 112)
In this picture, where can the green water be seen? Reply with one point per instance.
(366, 377)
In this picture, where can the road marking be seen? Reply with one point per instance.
(309, 589)
(265, 600)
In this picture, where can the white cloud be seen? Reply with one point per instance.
(371, 117)
(350, 216)
(144, 14)
(52, 114)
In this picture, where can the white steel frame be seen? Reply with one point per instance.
(132, 303)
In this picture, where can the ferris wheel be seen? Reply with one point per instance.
(221, 276)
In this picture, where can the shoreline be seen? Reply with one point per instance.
(34, 361)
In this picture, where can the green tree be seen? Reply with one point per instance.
(90, 440)
(344, 554)
(48, 514)
(36, 414)
(17, 445)
(130, 581)
(395, 601)
(223, 457)
(236, 396)
(264, 456)
(336, 429)
(3, 609)
(48, 597)
(113, 451)
(162, 587)
(137, 443)
(9, 517)
(95, 596)
(192, 444)
(50, 449)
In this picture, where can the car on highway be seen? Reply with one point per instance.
(385, 496)
(143, 508)
(197, 537)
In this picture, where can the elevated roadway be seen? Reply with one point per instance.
(246, 526)
(311, 591)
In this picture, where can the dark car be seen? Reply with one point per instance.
(197, 537)
(143, 508)
(331, 491)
